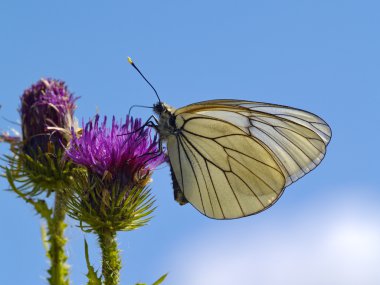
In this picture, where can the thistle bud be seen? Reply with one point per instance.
(47, 116)
(46, 108)
(112, 192)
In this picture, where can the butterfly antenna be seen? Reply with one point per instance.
(138, 70)
(140, 106)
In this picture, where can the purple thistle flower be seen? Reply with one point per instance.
(48, 103)
(124, 154)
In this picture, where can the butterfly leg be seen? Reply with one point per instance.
(155, 154)
(148, 123)
(152, 122)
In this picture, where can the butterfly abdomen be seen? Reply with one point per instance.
(178, 194)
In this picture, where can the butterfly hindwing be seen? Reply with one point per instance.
(222, 171)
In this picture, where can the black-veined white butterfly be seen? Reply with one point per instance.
(234, 158)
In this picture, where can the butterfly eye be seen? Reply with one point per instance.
(172, 121)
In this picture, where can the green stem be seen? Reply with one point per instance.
(111, 263)
(59, 270)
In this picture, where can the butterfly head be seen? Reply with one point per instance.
(161, 108)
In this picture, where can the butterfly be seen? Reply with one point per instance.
(234, 158)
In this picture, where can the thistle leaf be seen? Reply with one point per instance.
(43, 209)
(161, 279)
(92, 275)
(44, 238)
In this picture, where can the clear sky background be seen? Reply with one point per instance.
(321, 56)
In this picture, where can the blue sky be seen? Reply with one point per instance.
(321, 56)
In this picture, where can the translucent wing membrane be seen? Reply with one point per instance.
(234, 158)
(307, 119)
(297, 138)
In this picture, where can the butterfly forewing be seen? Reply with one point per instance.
(296, 138)
(307, 119)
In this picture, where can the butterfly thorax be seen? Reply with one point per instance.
(166, 122)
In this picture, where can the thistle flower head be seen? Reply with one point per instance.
(119, 161)
(46, 111)
(45, 106)
(124, 153)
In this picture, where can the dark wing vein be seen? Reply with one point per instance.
(216, 193)
(203, 175)
(196, 178)
(287, 138)
(311, 122)
(262, 180)
(280, 161)
(233, 192)
(225, 147)
(180, 165)
(211, 162)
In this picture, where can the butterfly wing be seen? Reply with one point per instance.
(297, 138)
(234, 158)
(223, 172)
(295, 115)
